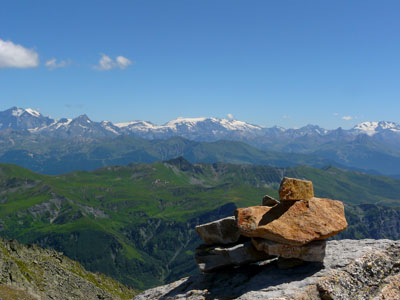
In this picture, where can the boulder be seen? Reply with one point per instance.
(314, 251)
(213, 258)
(293, 222)
(269, 201)
(223, 231)
(295, 189)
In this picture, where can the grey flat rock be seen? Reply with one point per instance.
(211, 258)
(223, 231)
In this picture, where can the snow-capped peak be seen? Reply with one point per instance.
(135, 123)
(237, 125)
(371, 128)
(226, 123)
(17, 112)
(184, 121)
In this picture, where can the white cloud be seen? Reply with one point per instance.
(107, 63)
(347, 118)
(285, 116)
(230, 116)
(335, 114)
(123, 62)
(52, 64)
(16, 56)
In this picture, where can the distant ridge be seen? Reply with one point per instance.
(369, 146)
(199, 128)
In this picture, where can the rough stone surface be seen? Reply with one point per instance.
(352, 269)
(293, 222)
(295, 189)
(269, 201)
(314, 251)
(210, 259)
(223, 231)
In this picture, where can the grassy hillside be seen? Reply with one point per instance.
(136, 222)
(29, 272)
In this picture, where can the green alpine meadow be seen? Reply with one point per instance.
(136, 223)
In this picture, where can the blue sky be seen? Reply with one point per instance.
(287, 63)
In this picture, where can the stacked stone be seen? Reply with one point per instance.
(294, 228)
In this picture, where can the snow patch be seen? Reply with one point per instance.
(32, 112)
(111, 129)
(107, 126)
(64, 124)
(237, 125)
(138, 124)
(17, 112)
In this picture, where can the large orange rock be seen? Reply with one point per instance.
(293, 222)
(295, 189)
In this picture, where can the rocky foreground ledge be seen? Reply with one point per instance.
(352, 269)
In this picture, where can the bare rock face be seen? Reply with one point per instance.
(223, 231)
(212, 258)
(352, 269)
(269, 201)
(295, 189)
(314, 251)
(293, 222)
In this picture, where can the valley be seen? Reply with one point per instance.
(136, 223)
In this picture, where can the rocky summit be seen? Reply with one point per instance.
(351, 270)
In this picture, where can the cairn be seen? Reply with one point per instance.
(293, 229)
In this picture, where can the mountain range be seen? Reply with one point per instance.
(197, 129)
(370, 146)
